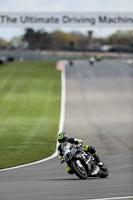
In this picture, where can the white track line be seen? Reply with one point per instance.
(113, 198)
(61, 123)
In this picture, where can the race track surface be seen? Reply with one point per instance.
(99, 108)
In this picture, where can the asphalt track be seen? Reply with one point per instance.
(99, 105)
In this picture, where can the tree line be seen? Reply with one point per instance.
(58, 40)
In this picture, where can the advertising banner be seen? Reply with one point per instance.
(65, 19)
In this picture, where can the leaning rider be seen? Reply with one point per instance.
(63, 137)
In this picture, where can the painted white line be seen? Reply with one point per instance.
(113, 198)
(61, 123)
(37, 162)
(63, 101)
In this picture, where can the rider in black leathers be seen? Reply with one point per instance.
(63, 137)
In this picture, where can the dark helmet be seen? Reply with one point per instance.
(62, 137)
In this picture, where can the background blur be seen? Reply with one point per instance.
(49, 43)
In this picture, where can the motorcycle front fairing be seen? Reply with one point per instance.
(85, 160)
(82, 158)
(68, 151)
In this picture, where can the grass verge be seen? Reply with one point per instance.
(29, 111)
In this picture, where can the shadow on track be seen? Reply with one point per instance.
(71, 179)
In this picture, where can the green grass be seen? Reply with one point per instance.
(29, 111)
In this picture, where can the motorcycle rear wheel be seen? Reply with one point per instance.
(80, 172)
(104, 172)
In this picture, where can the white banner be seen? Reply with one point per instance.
(65, 19)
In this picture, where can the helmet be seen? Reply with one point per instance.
(62, 137)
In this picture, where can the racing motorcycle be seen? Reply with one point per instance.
(82, 164)
(91, 60)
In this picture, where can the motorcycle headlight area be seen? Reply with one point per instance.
(69, 154)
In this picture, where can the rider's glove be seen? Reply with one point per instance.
(60, 157)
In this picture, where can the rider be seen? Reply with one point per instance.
(63, 137)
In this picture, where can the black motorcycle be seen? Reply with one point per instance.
(92, 61)
(82, 164)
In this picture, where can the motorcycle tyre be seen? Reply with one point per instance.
(103, 173)
(77, 172)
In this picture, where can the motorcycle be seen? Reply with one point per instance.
(91, 60)
(82, 164)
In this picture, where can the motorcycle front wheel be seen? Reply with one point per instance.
(79, 169)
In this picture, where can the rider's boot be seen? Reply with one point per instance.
(99, 162)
